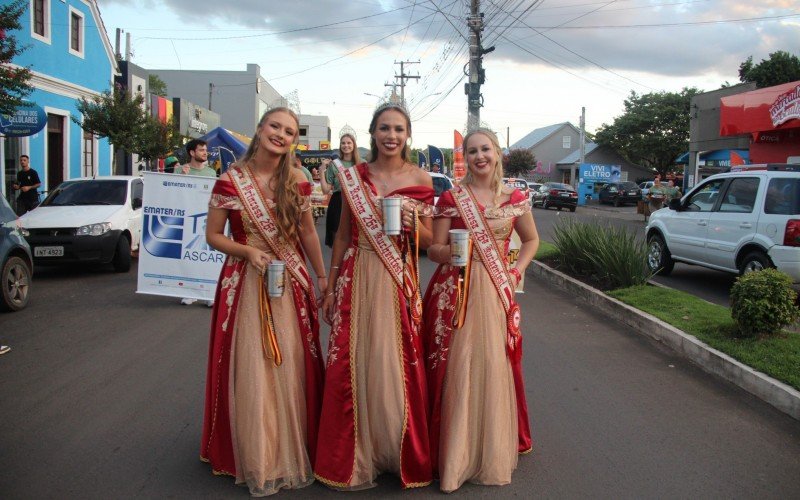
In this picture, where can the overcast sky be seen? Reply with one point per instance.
(550, 59)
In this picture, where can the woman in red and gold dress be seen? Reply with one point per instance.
(265, 368)
(374, 417)
(479, 417)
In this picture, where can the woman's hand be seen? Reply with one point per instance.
(407, 215)
(327, 306)
(322, 283)
(258, 259)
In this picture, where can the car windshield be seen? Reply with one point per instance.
(783, 196)
(440, 185)
(88, 192)
(627, 185)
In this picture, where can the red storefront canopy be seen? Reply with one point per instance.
(761, 110)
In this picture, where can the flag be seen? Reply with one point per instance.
(422, 160)
(459, 170)
(437, 159)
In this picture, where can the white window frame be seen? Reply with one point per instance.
(47, 23)
(566, 142)
(65, 145)
(82, 35)
(94, 142)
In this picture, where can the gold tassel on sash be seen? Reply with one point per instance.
(269, 341)
(411, 275)
(462, 290)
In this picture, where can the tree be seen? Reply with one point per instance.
(653, 130)
(123, 119)
(518, 162)
(14, 82)
(157, 85)
(780, 67)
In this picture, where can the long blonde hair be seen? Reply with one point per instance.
(356, 157)
(287, 200)
(405, 154)
(497, 177)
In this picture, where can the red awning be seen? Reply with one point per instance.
(761, 110)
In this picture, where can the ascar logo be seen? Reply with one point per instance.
(178, 237)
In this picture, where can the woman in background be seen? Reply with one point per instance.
(329, 180)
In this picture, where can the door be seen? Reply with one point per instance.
(688, 228)
(55, 151)
(734, 223)
(12, 151)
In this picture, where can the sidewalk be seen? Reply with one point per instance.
(782, 396)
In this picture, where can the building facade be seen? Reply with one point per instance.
(315, 131)
(550, 145)
(70, 57)
(605, 155)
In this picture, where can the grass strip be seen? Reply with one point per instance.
(777, 356)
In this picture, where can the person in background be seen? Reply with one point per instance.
(479, 419)
(329, 180)
(672, 191)
(169, 164)
(657, 194)
(197, 149)
(27, 183)
(298, 163)
(265, 365)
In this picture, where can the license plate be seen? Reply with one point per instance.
(48, 252)
(565, 195)
(632, 193)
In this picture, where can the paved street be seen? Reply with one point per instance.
(102, 397)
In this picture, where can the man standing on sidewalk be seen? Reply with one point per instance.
(197, 149)
(27, 182)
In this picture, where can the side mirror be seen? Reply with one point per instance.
(137, 203)
(675, 204)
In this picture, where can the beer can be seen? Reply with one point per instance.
(275, 278)
(459, 247)
(392, 208)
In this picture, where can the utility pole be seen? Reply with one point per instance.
(403, 77)
(582, 145)
(210, 92)
(476, 74)
(118, 40)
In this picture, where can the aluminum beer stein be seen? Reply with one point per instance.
(392, 208)
(459, 247)
(275, 278)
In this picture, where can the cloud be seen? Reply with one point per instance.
(662, 37)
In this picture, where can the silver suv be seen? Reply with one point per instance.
(739, 221)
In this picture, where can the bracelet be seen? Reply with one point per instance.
(328, 294)
(320, 276)
(516, 273)
(334, 267)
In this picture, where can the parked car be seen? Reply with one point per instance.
(88, 220)
(520, 184)
(736, 222)
(441, 183)
(16, 263)
(532, 188)
(556, 194)
(620, 193)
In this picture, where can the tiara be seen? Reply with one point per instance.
(391, 105)
(347, 130)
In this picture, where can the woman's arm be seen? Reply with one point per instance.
(526, 229)
(439, 251)
(323, 178)
(216, 237)
(310, 243)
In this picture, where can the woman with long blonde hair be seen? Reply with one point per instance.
(265, 369)
(374, 417)
(479, 417)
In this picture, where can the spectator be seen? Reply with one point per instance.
(27, 182)
(198, 155)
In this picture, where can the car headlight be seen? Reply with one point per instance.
(94, 229)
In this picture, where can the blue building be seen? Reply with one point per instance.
(70, 57)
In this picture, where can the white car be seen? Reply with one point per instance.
(736, 222)
(645, 187)
(87, 220)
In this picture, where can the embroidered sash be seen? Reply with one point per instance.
(483, 240)
(255, 204)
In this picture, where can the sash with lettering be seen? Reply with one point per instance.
(245, 183)
(483, 240)
(362, 201)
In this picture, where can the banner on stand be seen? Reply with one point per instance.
(174, 258)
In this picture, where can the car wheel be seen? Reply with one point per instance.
(122, 255)
(616, 202)
(16, 280)
(754, 261)
(544, 204)
(659, 260)
(571, 209)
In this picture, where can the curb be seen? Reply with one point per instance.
(780, 395)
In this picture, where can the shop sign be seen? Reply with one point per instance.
(785, 107)
(198, 126)
(28, 119)
(767, 137)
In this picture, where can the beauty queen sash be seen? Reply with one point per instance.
(484, 242)
(363, 205)
(244, 181)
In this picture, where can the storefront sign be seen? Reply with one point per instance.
(786, 107)
(27, 120)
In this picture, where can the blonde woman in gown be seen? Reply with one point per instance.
(265, 379)
(479, 417)
(374, 417)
